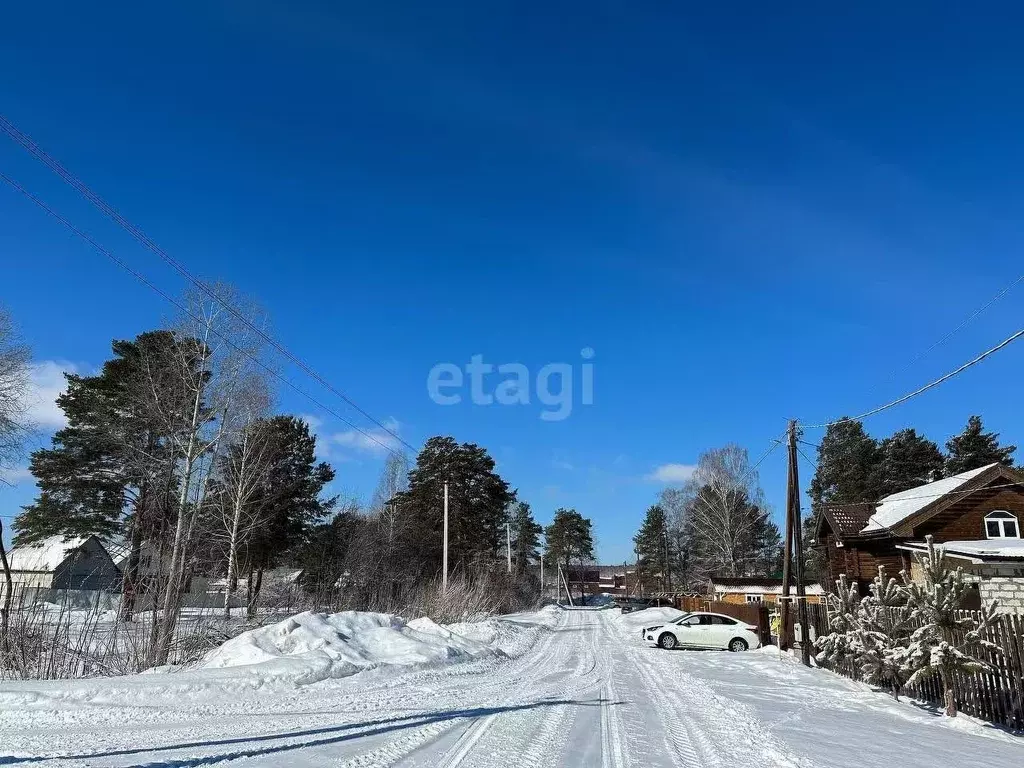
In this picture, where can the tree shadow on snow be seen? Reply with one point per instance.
(376, 728)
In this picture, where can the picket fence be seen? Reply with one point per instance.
(996, 696)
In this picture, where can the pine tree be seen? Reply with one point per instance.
(839, 647)
(946, 642)
(884, 627)
(569, 539)
(111, 468)
(974, 448)
(652, 545)
(478, 498)
(290, 496)
(849, 471)
(908, 460)
(525, 536)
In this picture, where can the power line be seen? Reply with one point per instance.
(805, 456)
(145, 281)
(36, 151)
(970, 318)
(925, 388)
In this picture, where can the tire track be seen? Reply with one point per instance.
(539, 724)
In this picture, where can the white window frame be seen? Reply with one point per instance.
(1007, 522)
(755, 597)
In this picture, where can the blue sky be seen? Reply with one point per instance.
(749, 213)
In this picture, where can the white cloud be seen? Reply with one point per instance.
(672, 473)
(562, 464)
(47, 383)
(16, 475)
(374, 441)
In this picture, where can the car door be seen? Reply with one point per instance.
(688, 630)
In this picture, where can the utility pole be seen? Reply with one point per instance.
(508, 545)
(793, 558)
(542, 576)
(668, 563)
(639, 581)
(787, 558)
(444, 543)
(798, 549)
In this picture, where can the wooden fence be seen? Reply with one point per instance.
(996, 696)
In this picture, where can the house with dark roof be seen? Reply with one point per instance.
(974, 517)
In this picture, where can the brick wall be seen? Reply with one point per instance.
(1003, 584)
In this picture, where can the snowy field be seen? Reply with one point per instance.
(553, 688)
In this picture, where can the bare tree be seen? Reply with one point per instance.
(14, 426)
(241, 477)
(385, 508)
(191, 390)
(728, 527)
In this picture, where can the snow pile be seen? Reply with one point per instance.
(648, 617)
(310, 647)
(510, 635)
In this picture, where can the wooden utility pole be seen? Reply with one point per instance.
(508, 545)
(793, 558)
(667, 576)
(787, 557)
(444, 543)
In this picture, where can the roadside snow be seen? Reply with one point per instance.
(310, 647)
(648, 617)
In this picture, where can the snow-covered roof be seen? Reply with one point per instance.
(44, 555)
(897, 507)
(980, 550)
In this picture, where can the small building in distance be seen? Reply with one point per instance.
(62, 562)
(757, 589)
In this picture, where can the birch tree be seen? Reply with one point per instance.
(729, 529)
(191, 390)
(14, 425)
(240, 501)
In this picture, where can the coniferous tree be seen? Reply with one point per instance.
(947, 641)
(908, 460)
(525, 533)
(849, 471)
(651, 544)
(477, 497)
(290, 495)
(569, 539)
(838, 647)
(974, 448)
(884, 627)
(111, 468)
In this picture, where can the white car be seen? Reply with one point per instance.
(703, 630)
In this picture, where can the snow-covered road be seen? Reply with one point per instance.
(586, 692)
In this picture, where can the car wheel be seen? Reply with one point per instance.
(667, 641)
(738, 644)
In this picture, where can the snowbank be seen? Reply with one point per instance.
(648, 617)
(303, 649)
(310, 647)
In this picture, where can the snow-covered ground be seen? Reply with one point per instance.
(554, 688)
